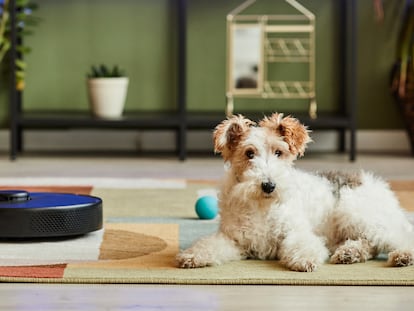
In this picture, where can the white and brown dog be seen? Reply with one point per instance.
(270, 210)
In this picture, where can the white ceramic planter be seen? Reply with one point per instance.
(107, 96)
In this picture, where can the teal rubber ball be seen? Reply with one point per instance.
(206, 207)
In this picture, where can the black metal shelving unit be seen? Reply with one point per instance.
(181, 120)
(174, 120)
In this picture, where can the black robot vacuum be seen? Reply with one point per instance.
(27, 215)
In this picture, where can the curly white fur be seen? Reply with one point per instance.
(271, 210)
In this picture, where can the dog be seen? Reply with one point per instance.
(269, 210)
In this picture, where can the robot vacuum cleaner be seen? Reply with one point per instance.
(28, 215)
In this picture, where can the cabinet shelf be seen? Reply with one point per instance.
(325, 120)
(76, 119)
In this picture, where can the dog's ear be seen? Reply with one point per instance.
(295, 134)
(228, 134)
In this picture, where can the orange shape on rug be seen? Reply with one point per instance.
(46, 271)
(122, 244)
(132, 245)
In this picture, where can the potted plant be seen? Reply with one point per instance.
(25, 24)
(107, 90)
(402, 74)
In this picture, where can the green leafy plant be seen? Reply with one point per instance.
(402, 74)
(25, 22)
(103, 71)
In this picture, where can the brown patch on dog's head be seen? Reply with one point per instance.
(229, 133)
(295, 134)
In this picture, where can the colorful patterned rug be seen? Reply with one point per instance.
(147, 221)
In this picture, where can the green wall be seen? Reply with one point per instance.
(73, 35)
(139, 35)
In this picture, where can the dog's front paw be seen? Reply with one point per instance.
(189, 260)
(302, 266)
(347, 255)
(400, 259)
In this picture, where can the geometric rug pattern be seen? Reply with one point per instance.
(146, 222)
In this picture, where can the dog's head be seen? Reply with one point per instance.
(258, 153)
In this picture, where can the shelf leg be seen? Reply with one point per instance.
(352, 76)
(342, 140)
(182, 143)
(182, 78)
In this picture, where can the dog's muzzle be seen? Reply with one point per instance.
(268, 187)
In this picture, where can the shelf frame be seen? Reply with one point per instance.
(181, 120)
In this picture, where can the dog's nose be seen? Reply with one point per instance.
(268, 187)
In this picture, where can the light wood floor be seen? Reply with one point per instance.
(158, 297)
(45, 297)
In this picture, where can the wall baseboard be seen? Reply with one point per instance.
(130, 140)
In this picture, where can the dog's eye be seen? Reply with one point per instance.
(278, 153)
(250, 154)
